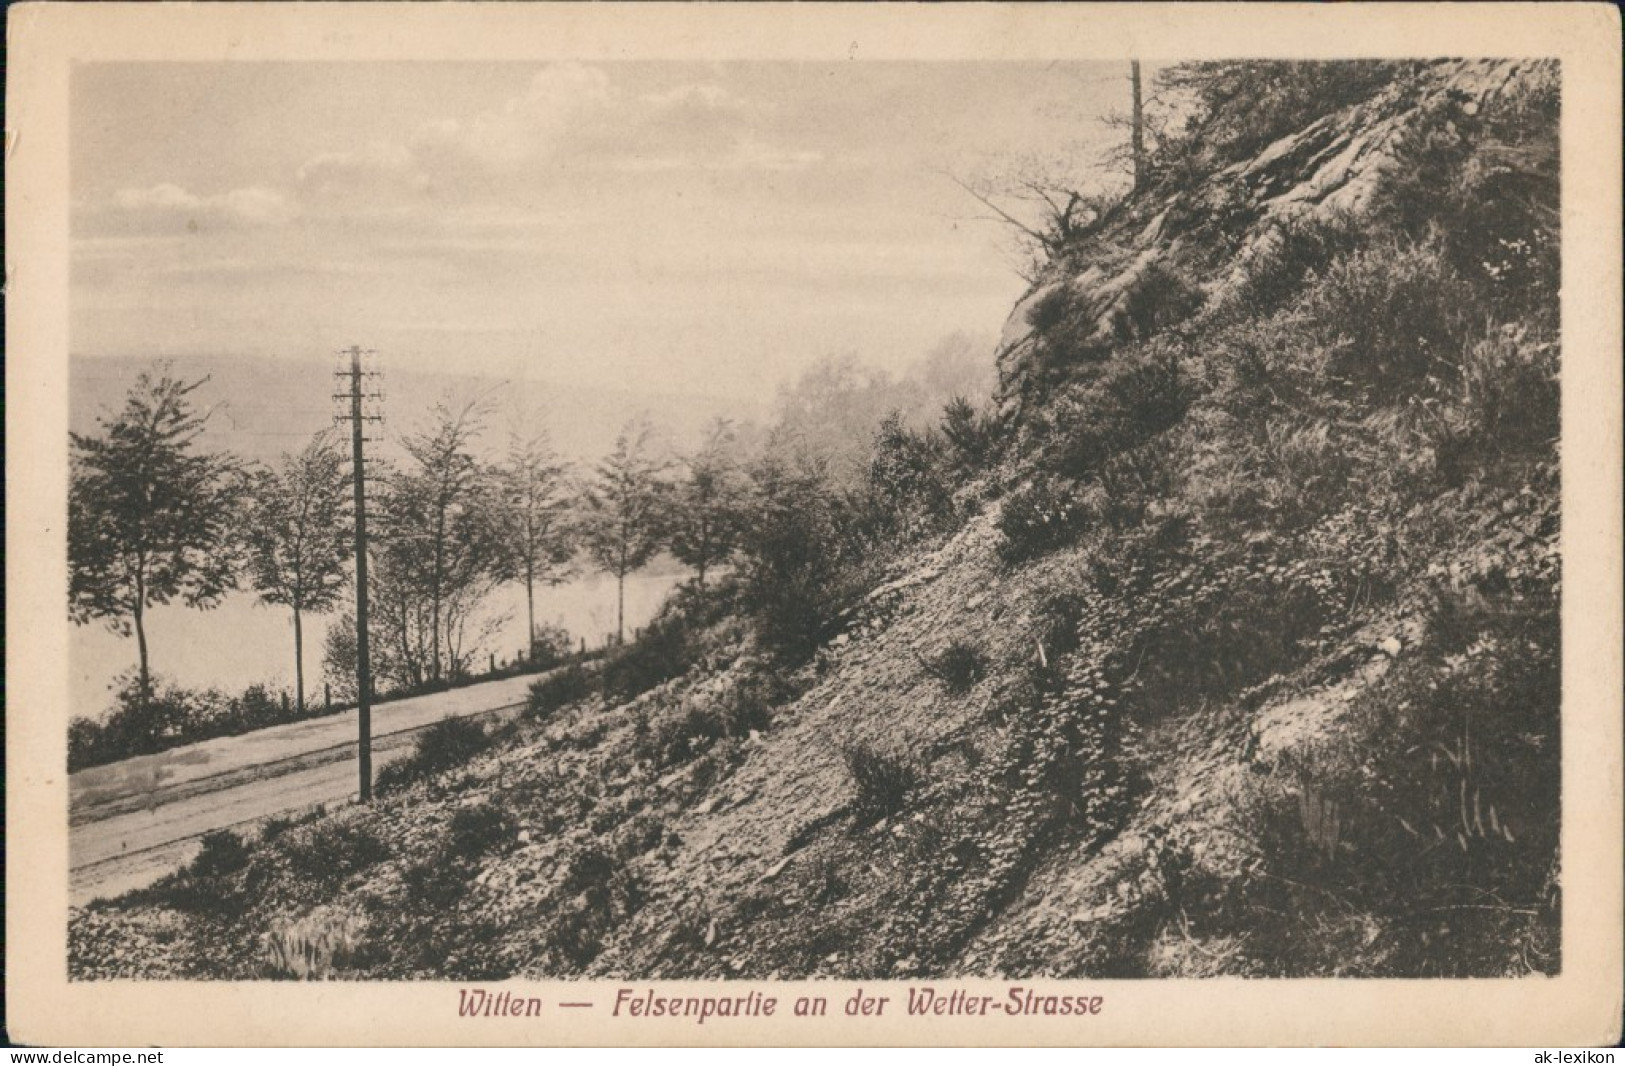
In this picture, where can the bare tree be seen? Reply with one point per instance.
(1137, 132)
(1144, 125)
(706, 506)
(533, 513)
(1049, 205)
(625, 511)
(297, 531)
(440, 539)
(1047, 215)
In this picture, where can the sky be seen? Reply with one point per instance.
(640, 232)
(670, 227)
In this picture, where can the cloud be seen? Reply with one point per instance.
(707, 96)
(529, 155)
(570, 119)
(344, 174)
(560, 99)
(744, 154)
(167, 209)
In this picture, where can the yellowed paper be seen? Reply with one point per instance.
(48, 43)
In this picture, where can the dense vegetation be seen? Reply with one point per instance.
(1229, 646)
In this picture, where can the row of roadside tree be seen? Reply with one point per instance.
(158, 517)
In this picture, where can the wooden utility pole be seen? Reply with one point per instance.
(363, 660)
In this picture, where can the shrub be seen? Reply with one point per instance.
(223, 853)
(564, 686)
(1240, 106)
(958, 666)
(578, 936)
(664, 649)
(748, 704)
(1064, 330)
(1298, 469)
(1366, 380)
(1507, 402)
(883, 781)
(1159, 299)
(1051, 310)
(333, 849)
(550, 646)
(141, 724)
(1389, 318)
(208, 886)
(1129, 402)
(446, 744)
(590, 867)
(665, 735)
(908, 477)
(1040, 516)
(1295, 252)
(479, 829)
(278, 824)
(435, 883)
(676, 738)
(1132, 482)
(85, 743)
(801, 557)
(607, 897)
(1068, 751)
(169, 717)
(1443, 777)
(972, 435)
(256, 708)
(1486, 184)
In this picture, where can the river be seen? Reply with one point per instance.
(240, 642)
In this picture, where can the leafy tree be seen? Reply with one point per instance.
(792, 542)
(706, 509)
(441, 545)
(958, 365)
(535, 521)
(625, 511)
(298, 537)
(152, 517)
(829, 415)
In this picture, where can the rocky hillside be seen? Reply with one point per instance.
(1237, 653)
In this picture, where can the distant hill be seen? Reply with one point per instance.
(264, 408)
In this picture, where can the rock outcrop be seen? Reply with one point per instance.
(1328, 171)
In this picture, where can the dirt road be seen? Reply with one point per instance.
(133, 821)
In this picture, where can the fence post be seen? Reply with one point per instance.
(327, 695)
(493, 662)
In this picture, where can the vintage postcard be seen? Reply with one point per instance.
(1042, 524)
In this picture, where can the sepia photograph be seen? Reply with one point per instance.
(722, 537)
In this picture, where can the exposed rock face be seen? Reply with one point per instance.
(1328, 170)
